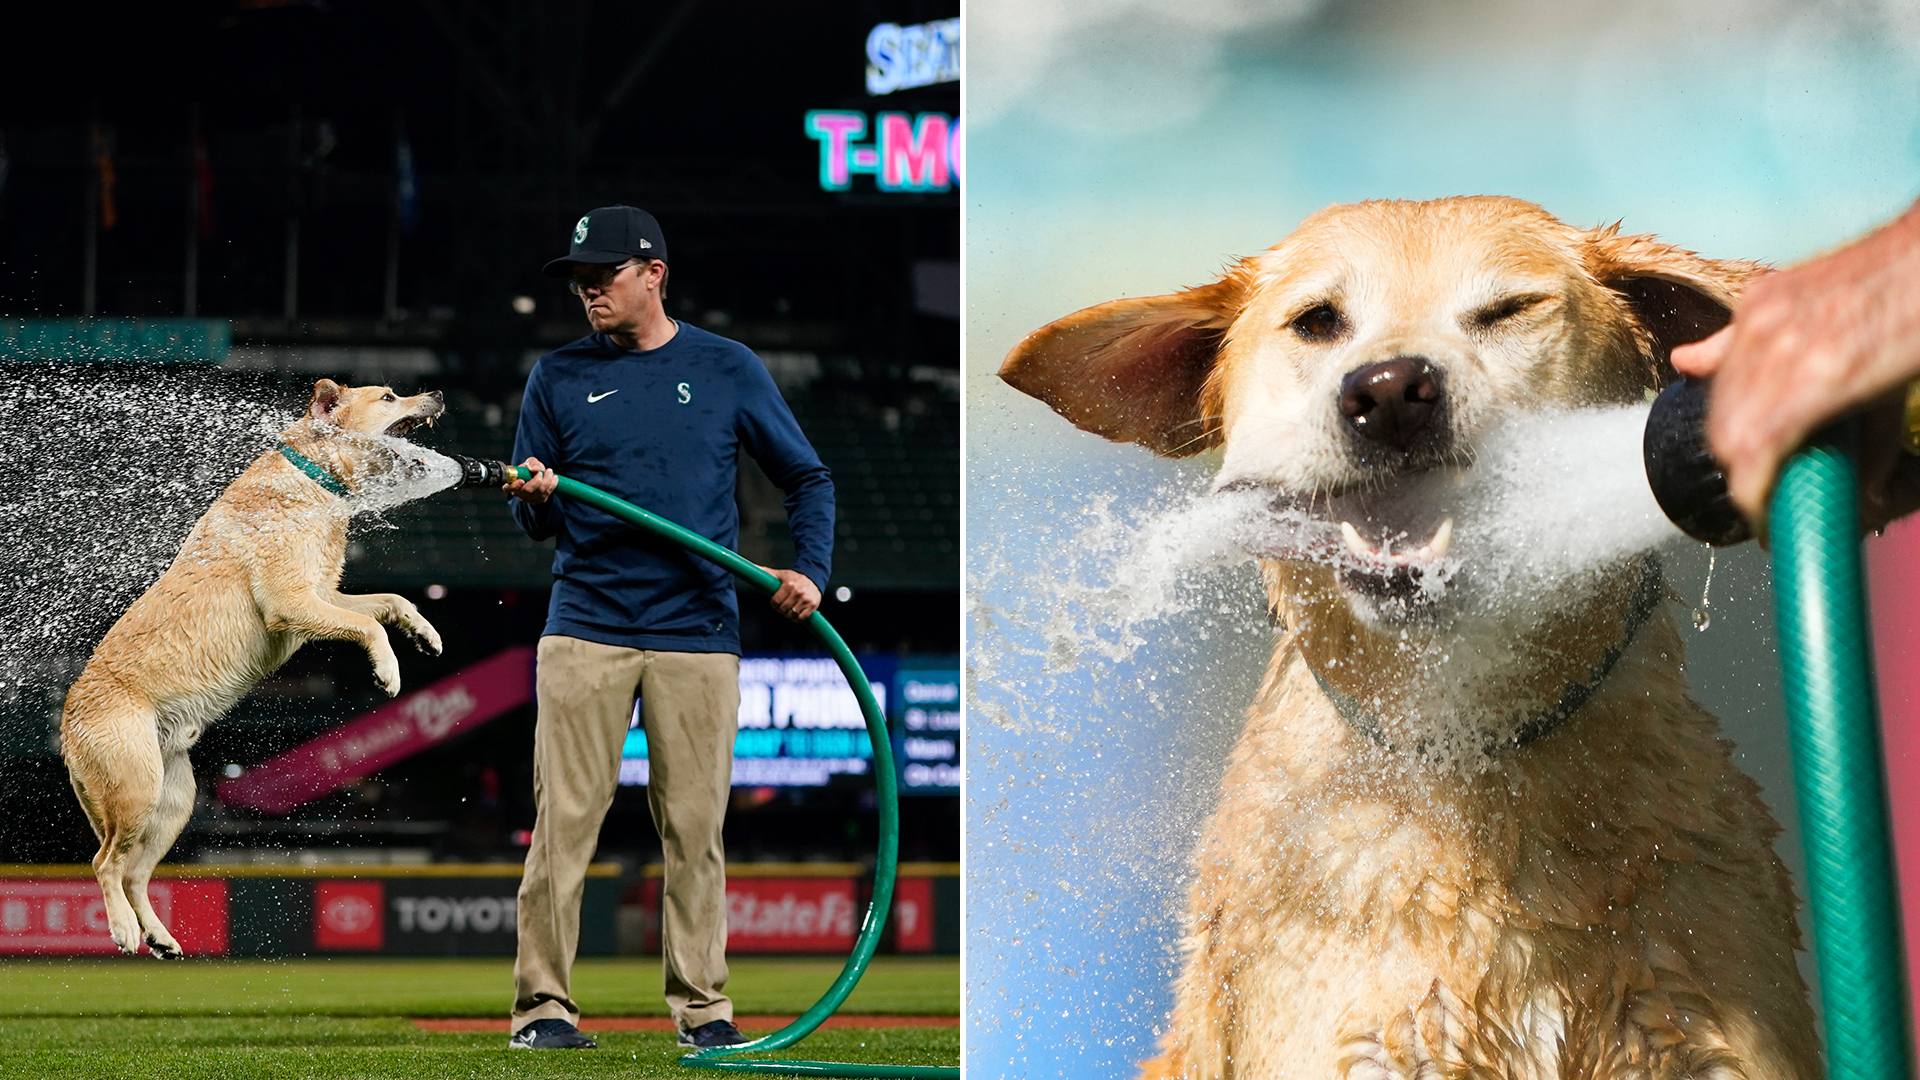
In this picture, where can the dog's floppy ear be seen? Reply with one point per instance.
(326, 395)
(1676, 296)
(1132, 370)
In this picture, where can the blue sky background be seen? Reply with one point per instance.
(1131, 147)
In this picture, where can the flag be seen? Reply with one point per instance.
(202, 186)
(406, 185)
(103, 161)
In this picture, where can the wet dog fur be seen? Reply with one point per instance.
(257, 577)
(1600, 901)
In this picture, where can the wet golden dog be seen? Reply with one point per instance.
(1584, 886)
(257, 577)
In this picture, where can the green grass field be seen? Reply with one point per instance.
(234, 1019)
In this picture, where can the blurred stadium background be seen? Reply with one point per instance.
(277, 191)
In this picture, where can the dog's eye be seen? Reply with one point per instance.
(388, 397)
(1502, 310)
(1322, 322)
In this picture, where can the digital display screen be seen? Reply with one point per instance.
(800, 724)
(926, 735)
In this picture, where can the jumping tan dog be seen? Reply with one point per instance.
(257, 577)
(1588, 889)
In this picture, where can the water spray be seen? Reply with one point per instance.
(479, 473)
(1832, 718)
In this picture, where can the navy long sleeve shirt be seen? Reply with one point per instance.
(663, 429)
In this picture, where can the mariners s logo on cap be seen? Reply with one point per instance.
(608, 236)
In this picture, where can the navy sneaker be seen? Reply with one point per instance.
(551, 1034)
(713, 1033)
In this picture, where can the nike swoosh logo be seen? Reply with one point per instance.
(591, 398)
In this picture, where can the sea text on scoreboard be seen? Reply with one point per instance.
(904, 57)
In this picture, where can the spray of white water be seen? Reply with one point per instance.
(108, 469)
(408, 471)
(1550, 498)
(1554, 495)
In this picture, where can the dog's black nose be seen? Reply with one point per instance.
(1391, 402)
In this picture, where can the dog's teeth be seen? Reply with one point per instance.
(1442, 540)
(1358, 545)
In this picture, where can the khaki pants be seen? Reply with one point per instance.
(585, 692)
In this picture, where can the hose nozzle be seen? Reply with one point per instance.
(1687, 482)
(478, 472)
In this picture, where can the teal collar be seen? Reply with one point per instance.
(315, 470)
(1646, 600)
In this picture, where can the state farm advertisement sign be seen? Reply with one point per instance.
(790, 914)
(913, 915)
(67, 917)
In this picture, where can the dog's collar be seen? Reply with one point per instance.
(1646, 600)
(315, 470)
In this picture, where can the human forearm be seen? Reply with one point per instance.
(810, 514)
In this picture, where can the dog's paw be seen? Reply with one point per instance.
(163, 947)
(425, 636)
(386, 672)
(402, 614)
(126, 938)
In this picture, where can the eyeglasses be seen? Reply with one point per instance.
(599, 277)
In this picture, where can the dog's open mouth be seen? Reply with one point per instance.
(1393, 543)
(1397, 567)
(406, 424)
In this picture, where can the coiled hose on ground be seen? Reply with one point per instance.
(722, 1058)
(1833, 724)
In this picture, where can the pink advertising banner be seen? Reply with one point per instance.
(1893, 589)
(397, 730)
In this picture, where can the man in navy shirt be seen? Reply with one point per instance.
(656, 412)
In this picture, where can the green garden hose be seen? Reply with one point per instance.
(889, 805)
(1827, 666)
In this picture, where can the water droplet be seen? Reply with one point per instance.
(1702, 617)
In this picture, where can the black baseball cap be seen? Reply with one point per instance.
(609, 235)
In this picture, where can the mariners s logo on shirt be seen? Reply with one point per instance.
(685, 395)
